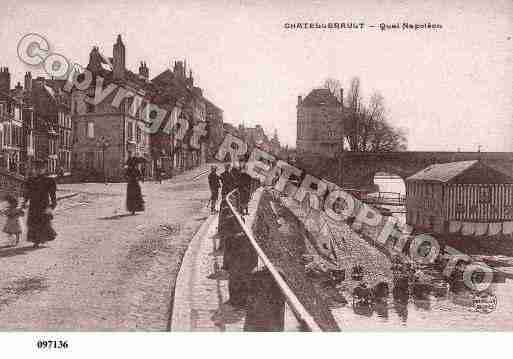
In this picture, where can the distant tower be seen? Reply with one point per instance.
(320, 124)
(119, 56)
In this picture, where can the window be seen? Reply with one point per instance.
(89, 159)
(90, 108)
(138, 134)
(130, 131)
(90, 129)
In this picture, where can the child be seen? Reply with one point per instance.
(13, 214)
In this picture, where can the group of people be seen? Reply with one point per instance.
(232, 178)
(40, 195)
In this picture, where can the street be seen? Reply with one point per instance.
(106, 270)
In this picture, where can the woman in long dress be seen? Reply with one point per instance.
(134, 200)
(40, 193)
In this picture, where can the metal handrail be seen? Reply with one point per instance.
(297, 307)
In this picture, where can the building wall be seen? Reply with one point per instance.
(425, 206)
(319, 129)
(479, 202)
(432, 206)
(117, 126)
(87, 154)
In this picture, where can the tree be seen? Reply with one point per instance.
(334, 86)
(353, 114)
(367, 127)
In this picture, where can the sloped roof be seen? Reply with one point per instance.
(461, 172)
(320, 97)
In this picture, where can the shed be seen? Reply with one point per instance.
(467, 197)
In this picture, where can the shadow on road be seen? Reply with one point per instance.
(8, 251)
(117, 216)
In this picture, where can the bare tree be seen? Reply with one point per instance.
(353, 114)
(367, 126)
(334, 86)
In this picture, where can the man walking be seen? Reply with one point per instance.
(244, 184)
(214, 184)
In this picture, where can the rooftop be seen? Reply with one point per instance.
(320, 97)
(461, 172)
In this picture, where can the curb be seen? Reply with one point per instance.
(181, 313)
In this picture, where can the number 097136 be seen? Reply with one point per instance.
(52, 344)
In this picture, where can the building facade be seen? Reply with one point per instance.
(94, 139)
(105, 136)
(467, 198)
(320, 125)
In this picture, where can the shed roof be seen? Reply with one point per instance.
(461, 172)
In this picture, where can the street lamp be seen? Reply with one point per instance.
(103, 144)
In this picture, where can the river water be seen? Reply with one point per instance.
(425, 309)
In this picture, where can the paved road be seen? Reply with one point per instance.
(106, 270)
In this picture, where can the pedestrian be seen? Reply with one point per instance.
(143, 173)
(225, 222)
(13, 213)
(40, 193)
(158, 174)
(244, 182)
(134, 200)
(227, 181)
(214, 183)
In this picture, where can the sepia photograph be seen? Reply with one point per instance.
(255, 166)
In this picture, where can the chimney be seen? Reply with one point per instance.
(178, 70)
(28, 81)
(299, 100)
(118, 54)
(5, 79)
(143, 70)
(342, 97)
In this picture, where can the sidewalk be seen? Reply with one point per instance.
(199, 301)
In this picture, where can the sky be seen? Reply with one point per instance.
(449, 88)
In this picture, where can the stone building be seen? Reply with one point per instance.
(215, 129)
(11, 126)
(177, 88)
(106, 134)
(320, 126)
(120, 127)
(36, 123)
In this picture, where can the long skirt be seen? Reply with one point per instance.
(134, 200)
(39, 226)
